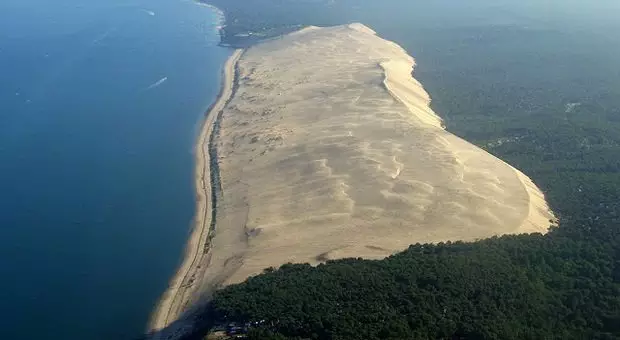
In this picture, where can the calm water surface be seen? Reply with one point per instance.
(100, 103)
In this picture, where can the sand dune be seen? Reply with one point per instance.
(329, 149)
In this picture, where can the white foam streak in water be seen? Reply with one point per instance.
(157, 83)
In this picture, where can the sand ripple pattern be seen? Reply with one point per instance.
(329, 149)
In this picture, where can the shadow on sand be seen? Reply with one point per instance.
(191, 326)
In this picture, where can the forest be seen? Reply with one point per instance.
(511, 287)
(538, 94)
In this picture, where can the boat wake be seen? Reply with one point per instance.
(156, 84)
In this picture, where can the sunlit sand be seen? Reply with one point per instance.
(329, 149)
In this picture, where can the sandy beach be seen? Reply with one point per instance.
(182, 286)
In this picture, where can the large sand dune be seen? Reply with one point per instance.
(329, 149)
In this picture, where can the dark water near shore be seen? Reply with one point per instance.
(100, 103)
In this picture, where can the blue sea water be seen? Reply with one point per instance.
(100, 105)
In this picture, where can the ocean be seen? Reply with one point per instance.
(100, 105)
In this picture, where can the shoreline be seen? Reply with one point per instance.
(182, 285)
(221, 24)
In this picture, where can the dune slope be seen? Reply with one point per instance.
(329, 149)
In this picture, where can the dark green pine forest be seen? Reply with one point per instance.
(541, 92)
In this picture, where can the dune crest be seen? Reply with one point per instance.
(329, 149)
